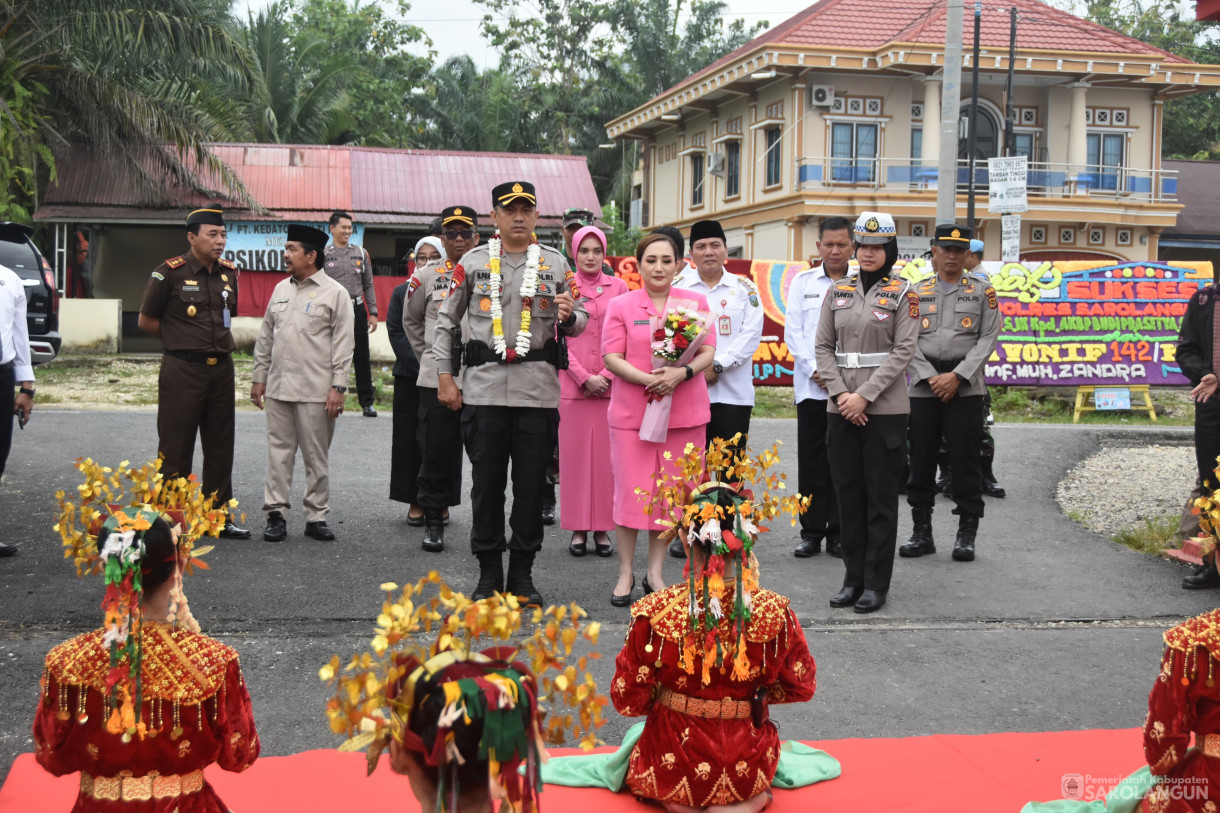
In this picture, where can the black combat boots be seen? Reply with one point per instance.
(921, 541)
(491, 575)
(434, 530)
(967, 529)
(520, 580)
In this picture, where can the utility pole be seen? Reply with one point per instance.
(1009, 146)
(950, 110)
(972, 136)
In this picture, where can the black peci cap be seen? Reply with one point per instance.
(298, 233)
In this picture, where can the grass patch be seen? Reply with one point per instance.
(1076, 516)
(1155, 535)
(1044, 405)
(773, 402)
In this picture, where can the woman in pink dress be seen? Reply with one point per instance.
(627, 347)
(587, 487)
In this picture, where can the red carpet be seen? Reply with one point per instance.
(989, 773)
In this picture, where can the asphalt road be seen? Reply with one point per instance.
(1051, 628)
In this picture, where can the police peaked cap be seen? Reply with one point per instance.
(459, 214)
(704, 229)
(206, 217)
(509, 191)
(307, 235)
(951, 235)
(874, 229)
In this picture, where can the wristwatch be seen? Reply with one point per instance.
(338, 389)
(690, 371)
(717, 367)
(27, 391)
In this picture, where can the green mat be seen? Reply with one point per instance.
(799, 765)
(1125, 798)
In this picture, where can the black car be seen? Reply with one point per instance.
(19, 253)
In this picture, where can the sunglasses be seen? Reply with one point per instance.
(453, 234)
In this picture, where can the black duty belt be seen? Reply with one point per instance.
(945, 365)
(479, 353)
(6, 366)
(210, 359)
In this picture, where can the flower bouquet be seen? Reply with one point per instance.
(676, 337)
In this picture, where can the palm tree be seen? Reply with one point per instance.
(141, 83)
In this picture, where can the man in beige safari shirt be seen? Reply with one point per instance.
(301, 363)
(510, 388)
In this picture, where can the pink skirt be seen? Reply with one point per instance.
(586, 481)
(636, 463)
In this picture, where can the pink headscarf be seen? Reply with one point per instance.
(581, 234)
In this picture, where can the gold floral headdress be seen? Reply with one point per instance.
(430, 631)
(123, 504)
(721, 500)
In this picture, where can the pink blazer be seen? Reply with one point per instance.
(628, 331)
(585, 350)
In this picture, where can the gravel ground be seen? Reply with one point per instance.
(1127, 482)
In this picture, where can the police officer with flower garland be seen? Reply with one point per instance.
(440, 428)
(189, 304)
(737, 318)
(515, 294)
(958, 328)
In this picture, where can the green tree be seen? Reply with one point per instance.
(300, 91)
(391, 61)
(138, 82)
(471, 110)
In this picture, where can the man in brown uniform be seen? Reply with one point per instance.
(440, 427)
(510, 396)
(352, 267)
(189, 305)
(301, 362)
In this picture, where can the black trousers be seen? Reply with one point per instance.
(440, 446)
(364, 375)
(496, 436)
(8, 402)
(960, 422)
(197, 398)
(404, 444)
(813, 472)
(727, 420)
(866, 463)
(1207, 442)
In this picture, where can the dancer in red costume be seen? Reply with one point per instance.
(705, 658)
(141, 706)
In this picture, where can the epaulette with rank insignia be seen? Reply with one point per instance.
(927, 285)
(175, 262)
(227, 263)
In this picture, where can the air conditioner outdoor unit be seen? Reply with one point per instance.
(715, 164)
(821, 95)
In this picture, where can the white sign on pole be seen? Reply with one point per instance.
(1010, 238)
(910, 248)
(1006, 185)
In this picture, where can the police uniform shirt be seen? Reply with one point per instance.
(14, 330)
(521, 384)
(427, 290)
(737, 318)
(806, 296)
(883, 320)
(307, 339)
(956, 321)
(191, 301)
(352, 268)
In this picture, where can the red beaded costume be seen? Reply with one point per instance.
(195, 711)
(1186, 698)
(700, 746)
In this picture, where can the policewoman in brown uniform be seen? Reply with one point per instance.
(866, 337)
(440, 428)
(510, 392)
(189, 304)
(959, 323)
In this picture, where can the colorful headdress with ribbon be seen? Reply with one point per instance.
(462, 650)
(720, 500)
(118, 507)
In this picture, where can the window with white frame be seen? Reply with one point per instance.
(1105, 158)
(853, 152)
(774, 155)
(696, 179)
(916, 143)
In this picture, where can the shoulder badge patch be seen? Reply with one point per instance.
(991, 300)
(175, 262)
(412, 285)
(912, 304)
(158, 275)
(459, 277)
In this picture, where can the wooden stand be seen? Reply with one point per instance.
(1085, 401)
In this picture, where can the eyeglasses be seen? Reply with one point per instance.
(454, 234)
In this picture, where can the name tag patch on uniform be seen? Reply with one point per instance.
(881, 315)
(640, 322)
(190, 287)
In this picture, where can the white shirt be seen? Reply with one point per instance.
(14, 333)
(806, 293)
(737, 318)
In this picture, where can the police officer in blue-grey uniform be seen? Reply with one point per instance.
(352, 267)
(959, 325)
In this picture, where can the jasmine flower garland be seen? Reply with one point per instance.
(529, 287)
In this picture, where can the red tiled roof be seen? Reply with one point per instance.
(299, 182)
(868, 24)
